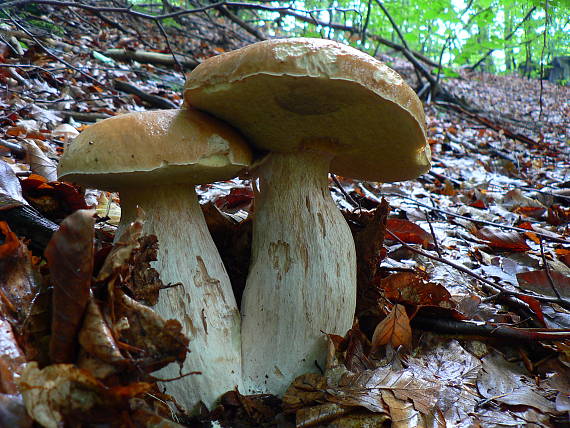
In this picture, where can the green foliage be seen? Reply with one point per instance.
(460, 31)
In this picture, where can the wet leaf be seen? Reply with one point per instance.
(10, 189)
(394, 330)
(509, 241)
(11, 359)
(412, 288)
(70, 260)
(409, 232)
(505, 382)
(539, 282)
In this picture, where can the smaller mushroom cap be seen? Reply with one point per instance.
(154, 147)
(295, 94)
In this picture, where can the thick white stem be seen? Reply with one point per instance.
(204, 303)
(302, 278)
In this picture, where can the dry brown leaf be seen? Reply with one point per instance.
(408, 232)
(319, 415)
(412, 288)
(70, 260)
(17, 277)
(97, 338)
(62, 393)
(39, 163)
(394, 330)
(306, 390)
(154, 342)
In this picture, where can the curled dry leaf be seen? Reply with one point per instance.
(394, 330)
(39, 163)
(70, 260)
(154, 342)
(17, 277)
(97, 338)
(62, 393)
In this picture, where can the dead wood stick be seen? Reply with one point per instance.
(154, 100)
(150, 57)
(485, 329)
(15, 148)
(25, 221)
(237, 20)
(84, 116)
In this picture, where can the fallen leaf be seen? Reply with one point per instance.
(394, 330)
(509, 241)
(505, 382)
(12, 359)
(39, 163)
(13, 412)
(70, 259)
(10, 189)
(409, 232)
(539, 282)
(412, 288)
(62, 394)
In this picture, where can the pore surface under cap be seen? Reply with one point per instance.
(177, 146)
(314, 94)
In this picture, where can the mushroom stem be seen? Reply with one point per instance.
(204, 303)
(302, 277)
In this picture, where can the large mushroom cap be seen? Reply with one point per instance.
(175, 146)
(293, 94)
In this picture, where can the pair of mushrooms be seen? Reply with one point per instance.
(312, 106)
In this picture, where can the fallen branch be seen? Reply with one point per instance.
(485, 329)
(146, 57)
(154, 100)
(25, 221)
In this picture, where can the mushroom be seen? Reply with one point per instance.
(154, 159)
(316, 106)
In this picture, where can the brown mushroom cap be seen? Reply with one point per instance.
(293, 94)
(175, 146)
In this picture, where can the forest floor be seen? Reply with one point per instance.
(466, 321)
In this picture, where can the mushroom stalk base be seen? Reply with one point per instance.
(204, 304)
(302, 278)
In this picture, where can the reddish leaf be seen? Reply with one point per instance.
(534, 212)
(408, 232)
(70, 260)
(558, 215)
(538, 282)
(479, 203)
(394, 330)
(238, 198)
(510, 241)
(411, 288)
(534, 305)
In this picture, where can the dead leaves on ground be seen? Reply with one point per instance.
(113, 340)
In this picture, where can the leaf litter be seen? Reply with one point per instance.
(495, 206)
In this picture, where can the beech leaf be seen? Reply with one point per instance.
(394, 330)
(70, 259)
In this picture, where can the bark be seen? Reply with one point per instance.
(302, 278)
(204, 303)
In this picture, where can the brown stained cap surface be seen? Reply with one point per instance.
(315, 94)
(154, 147)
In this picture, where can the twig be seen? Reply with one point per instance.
(50, 53)
(155, 100)
(547, 270)
(346, 195)
(177, 65)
